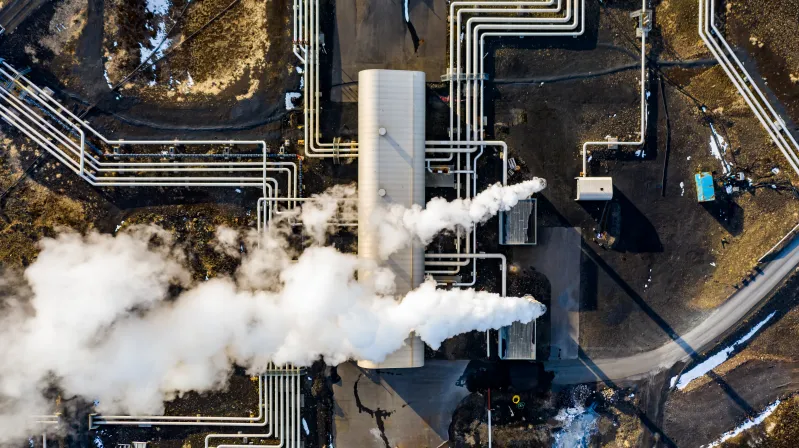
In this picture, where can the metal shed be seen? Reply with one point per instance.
(391, 152)
(705, 190)
(594, 188)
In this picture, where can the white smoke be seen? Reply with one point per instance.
(102, 319)
(398, 225)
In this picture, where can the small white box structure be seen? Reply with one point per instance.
(594, 188)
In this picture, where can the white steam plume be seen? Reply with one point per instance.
(100, 317)
(398, 225)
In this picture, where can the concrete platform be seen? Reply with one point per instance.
(374, 35)
(396, 407)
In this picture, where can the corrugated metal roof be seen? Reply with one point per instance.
(518, 340)
(516, 226)
(391, 151)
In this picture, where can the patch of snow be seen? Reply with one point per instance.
(682, 188)
(752, 422)
(713, 263)
(689, 158)
(290, 97)
(407, 15)
(97, 442)
(107, 79)
(637, 153)
(567, 415)
(648, 94)
(305, 427)
(115, 44)
(238, 190)
(716, 360)
(579, 430)
(156, 45)
(158, 7)
(718, 147)
(300, 69)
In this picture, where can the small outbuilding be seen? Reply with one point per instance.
(594, 188)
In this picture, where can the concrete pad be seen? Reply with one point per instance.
(373, 34)
(396, 407)
(557, 256)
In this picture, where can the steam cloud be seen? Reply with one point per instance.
(398, 225)
(103, 317)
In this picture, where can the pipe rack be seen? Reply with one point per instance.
(771, 121)
(279, 408)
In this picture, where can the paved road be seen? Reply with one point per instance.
(682, 348)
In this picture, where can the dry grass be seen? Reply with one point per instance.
(767, 215)
(32, 212)
(629, 431)
(779, 430)
(678, 21)
(229, 55)
(66, 25)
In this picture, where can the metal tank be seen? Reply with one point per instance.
(391, 169)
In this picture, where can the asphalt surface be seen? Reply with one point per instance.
(16, 11)
(683, 347)
(557, 256)
(397, 407)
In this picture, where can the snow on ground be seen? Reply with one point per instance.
(582, 424)
(718, 147)
(159, 7)
(107, 79)
(752, 422)
(290, 97)
(682, 188)
(407, 15)
(681, 381)
(156, 45)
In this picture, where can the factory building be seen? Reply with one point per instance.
(391, 136)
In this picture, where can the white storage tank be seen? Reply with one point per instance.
(391, 169)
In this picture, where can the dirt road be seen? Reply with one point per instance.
(682, 348)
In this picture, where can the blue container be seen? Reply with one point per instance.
(705, 190)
